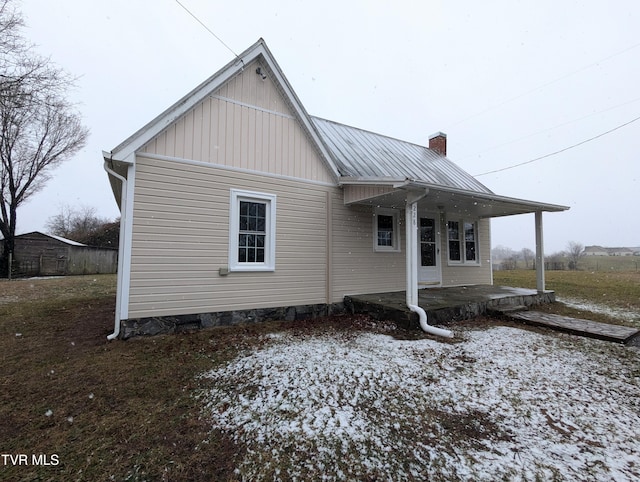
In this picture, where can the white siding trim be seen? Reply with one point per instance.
(269, 263)
(395, 248)
(125, 278)
(160, 157)
(462, 240)
(251, 106)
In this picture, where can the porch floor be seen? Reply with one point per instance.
(445, 305)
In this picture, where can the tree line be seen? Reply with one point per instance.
(507, 258)
(84, 225)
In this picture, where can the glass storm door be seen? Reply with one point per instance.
(428, 251)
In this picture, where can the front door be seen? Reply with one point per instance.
(428, 251)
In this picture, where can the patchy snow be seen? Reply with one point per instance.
(632, 316)
(503, 403)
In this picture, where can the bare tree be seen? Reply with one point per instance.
(500, 253)
(39, 128)
(528, 256)
(78, 224)
(575, 251)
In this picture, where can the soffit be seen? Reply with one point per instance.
(463, 204)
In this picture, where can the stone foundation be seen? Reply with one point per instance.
(444, 305)
(180, 323)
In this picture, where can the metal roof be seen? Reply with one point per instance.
(363, 154)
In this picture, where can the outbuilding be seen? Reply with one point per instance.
(40, 254)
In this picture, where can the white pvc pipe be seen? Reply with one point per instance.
(123, 202)
(411, 223)
(426, 326)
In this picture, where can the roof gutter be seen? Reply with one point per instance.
(488, 196)
(123, 214)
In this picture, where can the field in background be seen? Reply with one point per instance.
(609, 263)
(616, 290)
(586, 263)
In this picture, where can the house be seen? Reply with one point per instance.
(600, 251)
(595, 251)
(237, 204)
(40, 254)
(622, 251)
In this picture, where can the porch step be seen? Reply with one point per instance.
(503, 310)
(576, 326)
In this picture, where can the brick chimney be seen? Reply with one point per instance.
(438, 142)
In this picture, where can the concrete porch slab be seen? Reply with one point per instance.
(445, 305)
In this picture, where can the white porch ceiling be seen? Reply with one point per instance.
(463, 203)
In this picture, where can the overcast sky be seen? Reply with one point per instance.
(507, 81)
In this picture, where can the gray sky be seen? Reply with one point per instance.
(507, 81)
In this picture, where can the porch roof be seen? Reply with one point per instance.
(393, 168)
(447, 199)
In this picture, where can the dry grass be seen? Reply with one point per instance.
(121, 410)
(613, 289)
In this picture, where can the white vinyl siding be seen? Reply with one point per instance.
(245, 124)
(180, 241)
(356, 267)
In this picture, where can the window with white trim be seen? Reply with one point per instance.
(386, 233)
(462, 242)
(252, 233)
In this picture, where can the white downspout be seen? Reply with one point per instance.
(123, 211)
(411, 223)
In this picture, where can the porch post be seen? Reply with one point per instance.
(411, 234)
(540, 285)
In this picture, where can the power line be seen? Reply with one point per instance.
(561, 150)
(489, 109)
(491, 148)
(207, 28)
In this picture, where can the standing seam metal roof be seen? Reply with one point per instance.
(364, 154)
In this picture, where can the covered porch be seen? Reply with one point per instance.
(445, 305)
(448, 241)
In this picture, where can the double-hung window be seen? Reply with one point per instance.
(462, 242)
(386, 235)
(252, 236)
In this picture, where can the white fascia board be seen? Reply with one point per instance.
(134, 142)
(302, 114)
(127, 149)
(372, 181)
(533, 206)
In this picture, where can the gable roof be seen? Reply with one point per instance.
(127, 149)
(363, 154)
(53, 236)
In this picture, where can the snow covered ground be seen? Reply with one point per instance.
(500, 403)
(631, 316)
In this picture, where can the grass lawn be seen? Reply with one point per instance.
(106, 409)
(616, 290)
(222, 404)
